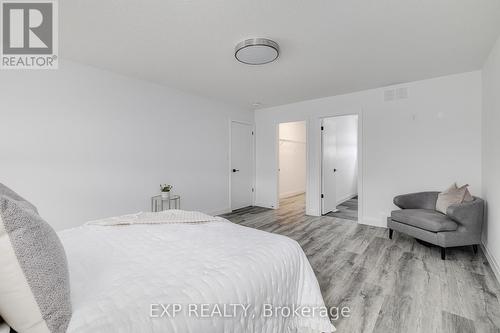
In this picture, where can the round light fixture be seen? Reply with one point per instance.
(257, 51)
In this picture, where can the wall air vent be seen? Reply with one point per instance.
(395, 94)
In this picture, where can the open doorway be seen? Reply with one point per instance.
(292, 163)
(339, 171)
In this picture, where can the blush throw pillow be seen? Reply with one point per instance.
(468, 197)
(453, 195)
(34, 278)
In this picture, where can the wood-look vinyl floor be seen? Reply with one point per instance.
(393, 285)
(347, 210)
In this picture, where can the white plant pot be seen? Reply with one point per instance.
(165, 195)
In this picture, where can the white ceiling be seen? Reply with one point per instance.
(329, 47)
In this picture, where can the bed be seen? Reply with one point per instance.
(130, 275)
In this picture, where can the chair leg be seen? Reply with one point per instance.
(443, 253)
(474, 248)
(390, 233)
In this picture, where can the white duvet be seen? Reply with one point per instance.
(132, 278)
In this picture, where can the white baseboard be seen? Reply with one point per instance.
(291, 194)
(220, 212)
(312, 212)
(263, 205)
(348, 197)
(372, 221)
(492, 261)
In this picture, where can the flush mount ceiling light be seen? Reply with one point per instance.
(257, 51)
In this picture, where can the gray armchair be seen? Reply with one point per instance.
(461, 226)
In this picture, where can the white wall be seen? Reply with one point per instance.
(83, 143)
(292, 158)
(491, 153)
(425, 142)
(346, 159)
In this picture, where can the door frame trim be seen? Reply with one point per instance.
(230, 190)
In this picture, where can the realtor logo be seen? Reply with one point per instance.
(29, 34)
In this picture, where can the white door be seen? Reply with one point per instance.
(328, 170)
(241, 165)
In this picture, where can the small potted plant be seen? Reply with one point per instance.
(165, 191)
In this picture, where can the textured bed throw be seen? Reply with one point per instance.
(167, 216)
(34, 278)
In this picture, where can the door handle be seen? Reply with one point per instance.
(236, 170)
